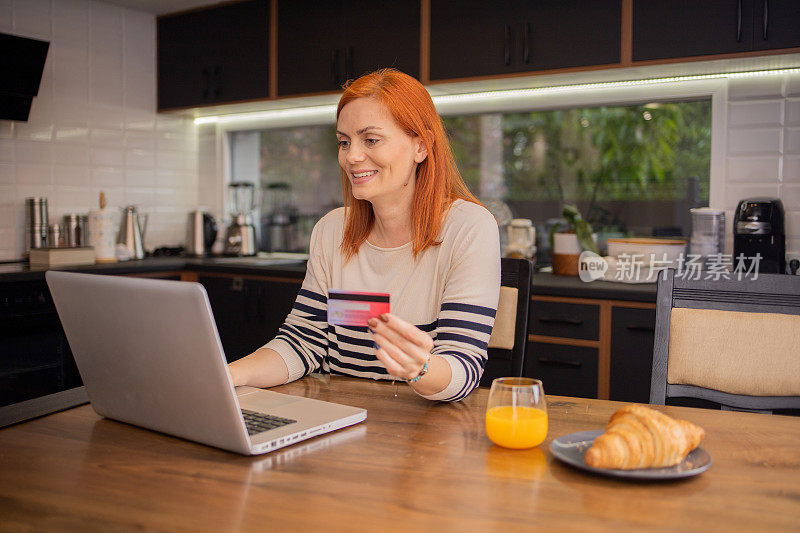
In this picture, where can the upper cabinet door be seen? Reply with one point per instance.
(310, 58)
(776, 24)
(321, 45)
(684, 28)
(214, 55)
(476, 38)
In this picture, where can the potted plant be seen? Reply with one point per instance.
(568, 243)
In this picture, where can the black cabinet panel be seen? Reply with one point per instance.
(477, 38)
(632, 335)
(248, 312)
(682, 28)
(214, 55)
(564, 370)
(777, 24)
(323, 44)
(557, 319)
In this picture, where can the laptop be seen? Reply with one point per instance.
(149, 355)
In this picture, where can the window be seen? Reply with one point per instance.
(631, 170)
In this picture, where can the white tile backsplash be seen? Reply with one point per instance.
(754, 141)
(756, 88)
(93, 125)
(755, 113)
(791, 171)
(791, 145)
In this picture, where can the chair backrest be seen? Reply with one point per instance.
(733, 341)
(510, 333)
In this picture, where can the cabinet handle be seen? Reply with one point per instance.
(766, 18)
(559, 320)
(335, 67)
(556, 362)
(507, 46)
(739, 21)
(526, 51)
(348, 64)
(640, 328)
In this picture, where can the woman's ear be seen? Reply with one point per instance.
(421, 151)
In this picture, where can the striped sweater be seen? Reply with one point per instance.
(450, 291)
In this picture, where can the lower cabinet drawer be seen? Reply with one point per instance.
(564, 370)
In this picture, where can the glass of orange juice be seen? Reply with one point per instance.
(516, 415)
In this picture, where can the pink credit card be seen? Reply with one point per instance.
(348, 308)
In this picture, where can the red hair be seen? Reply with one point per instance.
(438, 182)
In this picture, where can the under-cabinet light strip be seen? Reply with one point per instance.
(330, 110)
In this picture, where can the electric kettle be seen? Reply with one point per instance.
(201, 234)
(131, 234)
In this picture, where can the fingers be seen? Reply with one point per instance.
(401, 333)
(402, 347)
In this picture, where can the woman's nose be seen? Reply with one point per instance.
(355, 153)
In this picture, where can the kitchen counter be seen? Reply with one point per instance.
(234, 265)
(543, 284)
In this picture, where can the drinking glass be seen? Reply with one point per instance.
(516, 414)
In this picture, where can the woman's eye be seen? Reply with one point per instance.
(371, 142)
(343, 143)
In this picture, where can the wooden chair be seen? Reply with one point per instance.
(735, 343)
(510, 333)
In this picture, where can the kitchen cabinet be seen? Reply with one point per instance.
(248, 311)
(591, 347)
(632, 336)
(471, 38)
(323, 44)
(685, 28)
(776, 24)
(563, 369)
(214, 55)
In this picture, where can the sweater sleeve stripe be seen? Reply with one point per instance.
(293, 331)
(443, 336)
(318, 315)
(465, 324)
(313, 295)
(469, 308)
(307, 366)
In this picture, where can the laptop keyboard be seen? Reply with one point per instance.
(259, 422)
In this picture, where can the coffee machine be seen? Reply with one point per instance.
(240, 237)
(758, 228)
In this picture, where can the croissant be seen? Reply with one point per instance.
(640, 437)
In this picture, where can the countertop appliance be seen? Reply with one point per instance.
(37, 373)
(279, 222)
(758, 228)
(201, 234)
(240, 237)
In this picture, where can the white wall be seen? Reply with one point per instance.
(762, 152)
(93, 126)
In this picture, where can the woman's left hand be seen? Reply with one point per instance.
(403, 348)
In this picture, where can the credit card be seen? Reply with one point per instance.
(348, 308)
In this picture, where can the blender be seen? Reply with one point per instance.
(240, 237)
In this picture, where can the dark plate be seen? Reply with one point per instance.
(571, 448)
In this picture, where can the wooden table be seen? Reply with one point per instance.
(414, 465)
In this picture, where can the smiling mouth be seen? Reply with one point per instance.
(360, 177)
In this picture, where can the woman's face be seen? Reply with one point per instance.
(379, 158)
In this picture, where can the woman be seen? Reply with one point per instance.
(409, 228)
